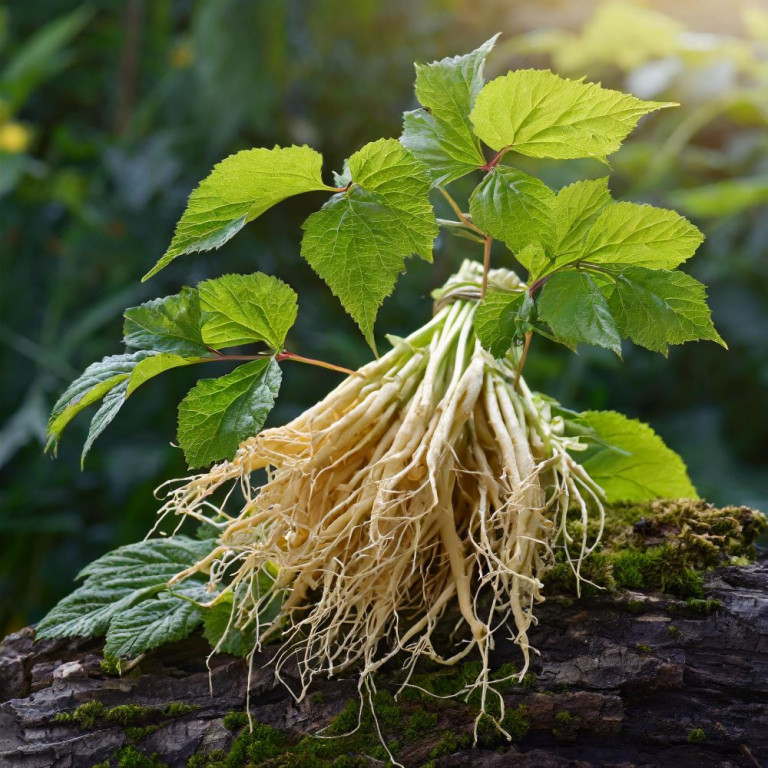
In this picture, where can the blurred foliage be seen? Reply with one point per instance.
(111, 113)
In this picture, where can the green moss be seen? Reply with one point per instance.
(130, 757)
(696, 736)
(178, 708)
(661, 545)
(109, 667)
(635, 606)
(566, 717)
(644, 648)
(129, 714)
(703, 606)
(515, 722)
(235, 719)
(137, 733)
(317, 698)
(85, 715)
(449, 743)
(674, 632)
(420, 723)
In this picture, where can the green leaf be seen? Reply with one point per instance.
(172, 325)
(119, 580)
(241, 309)
(238, 190)
(440, 135)
(497, 321)
(94, 383)
(514, 207)
(154, 365)
(239, 641)
(576, 311)
(640, 236)
(576, 208)
(359, 240)
(642, 468)
(218, 414)
(151, 623)
(539, 114)
(657, 307)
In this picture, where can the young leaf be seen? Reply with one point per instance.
(539, 114)
(497, 321)
(640, 236)
(360, 238)
(238, 190)
(657, 307)
(168, 325)
(576, 311)
(151, 623)
(576, 208)
(241, 309)
(218, 414)
(440, 134)
(642, 469)
(119, 580)
(515, 208)
(95, 382)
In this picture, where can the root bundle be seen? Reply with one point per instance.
(433, 478)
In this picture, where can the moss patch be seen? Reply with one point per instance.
(661, 545)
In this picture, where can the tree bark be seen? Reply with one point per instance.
(622, 680)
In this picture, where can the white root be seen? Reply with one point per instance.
(427, 480)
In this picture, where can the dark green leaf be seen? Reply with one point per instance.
(497, 321)
(515, 208)
(172, 325)
(576, 311)
(440, 135)
(218, 414)
(119, 580)
(658, 307)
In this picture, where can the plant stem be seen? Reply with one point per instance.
(494, 161)
(461, 216)
(520, 365)
(280, 356)
(285, 355)
(486, 265)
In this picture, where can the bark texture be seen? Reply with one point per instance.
(622, 680)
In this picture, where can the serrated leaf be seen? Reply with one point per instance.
(242, 309)
(169, 325)
(496, 321)
(149, 624)
(218, 414)
(238, 190)
(515, 208)
(657, 307)
(359, 240)
(92, 385)
(576, 208)
(539, 114)
(574, 308)
(642, 468)
(118, 580)
(640, 236)
(440, 135)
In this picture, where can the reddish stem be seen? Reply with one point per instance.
(494, 161)
(486, 265)
(285, 355)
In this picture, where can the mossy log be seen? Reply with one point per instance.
(625, 677)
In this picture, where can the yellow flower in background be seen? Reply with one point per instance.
(14, 137)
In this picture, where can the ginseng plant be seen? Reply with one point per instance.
(432, 486)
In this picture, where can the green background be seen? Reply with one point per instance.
(111, 113)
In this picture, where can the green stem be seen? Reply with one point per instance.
(486, 265)
(280, 356)
(461, 216)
